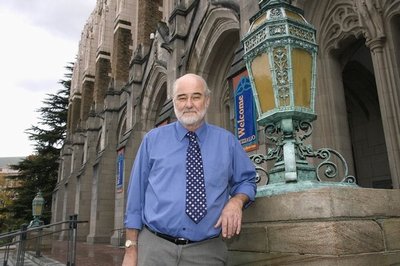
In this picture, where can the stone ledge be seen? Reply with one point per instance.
(325, 203)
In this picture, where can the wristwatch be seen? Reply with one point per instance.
(130, 243)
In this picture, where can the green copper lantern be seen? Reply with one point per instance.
(280, 54)
(37, 209)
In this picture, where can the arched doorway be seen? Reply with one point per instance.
(364, 118)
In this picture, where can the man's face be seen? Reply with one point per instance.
(190, 102)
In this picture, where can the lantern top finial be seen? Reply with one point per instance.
(39, 194)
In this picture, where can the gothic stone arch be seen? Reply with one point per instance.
(154, 95)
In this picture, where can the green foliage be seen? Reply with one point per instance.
(40, 170)
(6, 197)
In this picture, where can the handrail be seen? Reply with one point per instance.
(121, 232)
(20, 238)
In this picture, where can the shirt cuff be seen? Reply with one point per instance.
(134, 222)
(247, 190)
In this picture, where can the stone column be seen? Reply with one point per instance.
(331, 128)
(87, 97)
(122, 53)
(75, 113)
(389, 101)
(102, 209)
(58, 193)
(56, 209)
(178, 30)
(70, 188)
(84, 190)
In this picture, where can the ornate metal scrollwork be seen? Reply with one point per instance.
(272, 134)
(260, 171)
(304, 151)
(331, 170)
(302, 130)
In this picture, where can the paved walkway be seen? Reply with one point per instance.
(87, 254)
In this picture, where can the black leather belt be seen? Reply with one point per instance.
(175, 240)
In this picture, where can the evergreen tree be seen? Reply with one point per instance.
(40, 170)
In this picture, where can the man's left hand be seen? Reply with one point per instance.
(231, 216)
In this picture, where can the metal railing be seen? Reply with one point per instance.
(120, 236)
(34, 235)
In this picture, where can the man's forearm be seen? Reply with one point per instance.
(132, 234)
(131, 253)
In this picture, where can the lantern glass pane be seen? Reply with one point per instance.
(261, 72)
(302, 74)
(37, 210)
(257, 22)
(294, 16)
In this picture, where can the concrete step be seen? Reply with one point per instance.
(42, 261)
(31, 260)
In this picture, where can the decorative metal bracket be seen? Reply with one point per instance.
(327, 170)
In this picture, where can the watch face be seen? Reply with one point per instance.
(129, 243)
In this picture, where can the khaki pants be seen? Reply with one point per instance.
(156, 251)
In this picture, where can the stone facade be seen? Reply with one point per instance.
(130, 53)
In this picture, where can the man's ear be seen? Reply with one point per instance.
(208, 101)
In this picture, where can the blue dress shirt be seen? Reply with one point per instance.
(157, 187)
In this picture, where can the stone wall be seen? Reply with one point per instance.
(327, 226)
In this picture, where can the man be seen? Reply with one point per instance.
(169, 223)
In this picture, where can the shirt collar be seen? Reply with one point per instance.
(201, 132)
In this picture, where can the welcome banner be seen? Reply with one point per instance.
(246, 129)
(120, 170)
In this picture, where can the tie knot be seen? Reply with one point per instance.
(191, 135)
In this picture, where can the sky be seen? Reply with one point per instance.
(38, 39)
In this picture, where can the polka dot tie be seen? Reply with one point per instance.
(196, 204)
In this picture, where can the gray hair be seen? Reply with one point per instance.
(207, 91)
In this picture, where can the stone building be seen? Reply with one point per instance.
(131, 51)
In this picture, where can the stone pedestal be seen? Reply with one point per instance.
(324, 226)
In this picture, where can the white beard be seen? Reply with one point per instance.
(190, 119)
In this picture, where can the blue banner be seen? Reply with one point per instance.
(246, 130)
(120, 170)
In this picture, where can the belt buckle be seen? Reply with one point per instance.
(182, 241)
